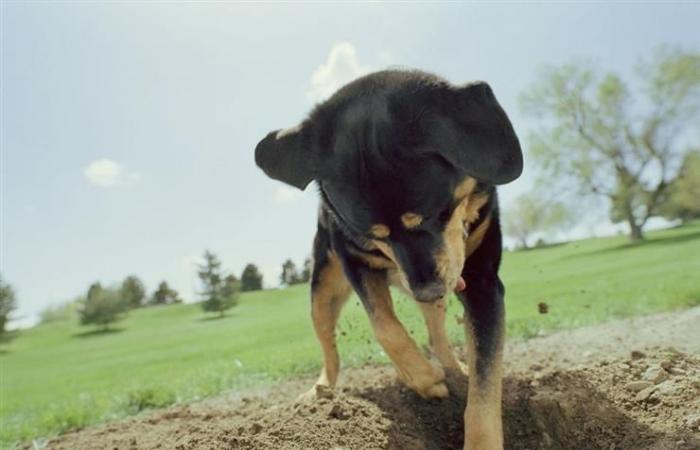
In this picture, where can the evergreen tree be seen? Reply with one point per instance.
(133, 292)
(219, 293)
(164, 295)
(306, 271)
(289, 274)
(251, 279)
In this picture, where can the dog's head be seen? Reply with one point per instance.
(397, 156)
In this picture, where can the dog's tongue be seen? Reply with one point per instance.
(461, 285)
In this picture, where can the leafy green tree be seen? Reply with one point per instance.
(102, 307)
(251, 278)
(8, 303)
(219, 293)
(230, 291)
(683, 201)
(531, 214)
(164, 295)
(289, 274)
(62, 311)
(306, 271)
(616, 139)
(133, 291)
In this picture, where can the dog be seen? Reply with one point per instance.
(407, 166)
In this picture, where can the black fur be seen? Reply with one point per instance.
(395, 142)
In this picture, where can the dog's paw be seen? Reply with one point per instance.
(317, 392)
(428, 385)
(438, 390)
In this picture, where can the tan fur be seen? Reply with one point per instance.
(434, 315)
(329, 296)
(473, 205)
(412, 367)
(380, 231)
(373, 261)
(465, 188)
(474, 239)
(483, 426)
(411, 220)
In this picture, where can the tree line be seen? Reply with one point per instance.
(105, 305)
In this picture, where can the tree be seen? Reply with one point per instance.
(8, 303)
(102, 307)
(594, 136)
(683, 201)
(219, 293)
(251, 278)
(306, 271)
(133, 291)
(531, 214)
(289, 273)
(164, 295)
(62, 311)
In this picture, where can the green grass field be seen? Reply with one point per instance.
(56, 377)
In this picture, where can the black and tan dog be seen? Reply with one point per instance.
(406, 165)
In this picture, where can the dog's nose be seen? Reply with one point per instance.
(429, 292)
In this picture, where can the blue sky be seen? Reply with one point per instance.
(128, 129)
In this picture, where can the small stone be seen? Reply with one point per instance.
(677, 371)
(644, 394)
(536, 367)
(655, 374)
(636, 386)
(624, 366)
(693, 421)
(534, 383)
(256, 428)
(666, 388)
(666, 364)
(636, 354)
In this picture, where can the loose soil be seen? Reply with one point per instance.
(629, 384)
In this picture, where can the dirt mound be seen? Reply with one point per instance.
(626, 397)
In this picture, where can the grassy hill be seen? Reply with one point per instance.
(58, 376)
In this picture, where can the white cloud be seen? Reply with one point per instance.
(341, 67)
(286, 194)
(107, 173)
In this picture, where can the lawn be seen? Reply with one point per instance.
(56, 376)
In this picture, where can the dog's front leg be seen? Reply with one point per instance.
(412, 366)
(484, 314)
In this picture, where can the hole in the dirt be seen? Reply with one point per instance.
(565, 412)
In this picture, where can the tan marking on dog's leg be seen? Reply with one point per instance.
(413, 368)
(434, 314)
(465, 188)
(483, 427)
(328, 299)
(476, 236)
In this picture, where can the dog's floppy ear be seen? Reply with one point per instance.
(289, 156)
(482, 143)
